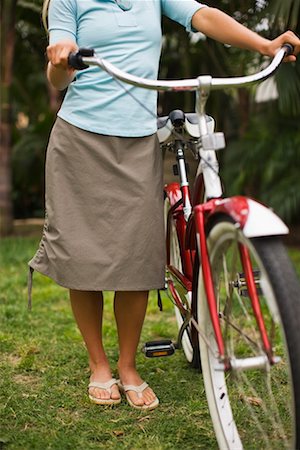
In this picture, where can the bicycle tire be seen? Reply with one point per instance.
(189, 339)
(255, 408)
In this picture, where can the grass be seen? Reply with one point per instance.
(44, 374)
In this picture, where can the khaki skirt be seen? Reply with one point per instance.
(104, 212)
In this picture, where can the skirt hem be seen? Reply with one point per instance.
(105, 288)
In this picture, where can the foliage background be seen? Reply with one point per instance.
(262, 158)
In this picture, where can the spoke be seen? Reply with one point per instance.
(235, 260)
(244, 335)
(245, 397)
(270, 411)
(229, 288)
(208, 338)
(276, 411)
(263, 417)
(272, 333)
(225, 274)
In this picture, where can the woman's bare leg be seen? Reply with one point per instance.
(87, 308)
(130, 309)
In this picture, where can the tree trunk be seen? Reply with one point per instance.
(244, 110)
(7, 45)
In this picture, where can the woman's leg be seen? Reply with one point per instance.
(87, 308)
(130, 309)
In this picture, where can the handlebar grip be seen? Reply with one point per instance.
(289, 49)
(75, 59)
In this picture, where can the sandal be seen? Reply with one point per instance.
(139, 390)
(107, 387)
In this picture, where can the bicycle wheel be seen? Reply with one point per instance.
(257, 408)
(188, 342)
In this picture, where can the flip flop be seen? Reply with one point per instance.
(107, 387)
(139, 390)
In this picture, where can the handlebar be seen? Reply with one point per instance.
(86, 57)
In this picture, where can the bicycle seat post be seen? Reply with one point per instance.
(184, 184)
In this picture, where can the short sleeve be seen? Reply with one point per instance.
(181, 11)
(62, 20)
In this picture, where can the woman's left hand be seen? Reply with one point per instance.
(288, 37)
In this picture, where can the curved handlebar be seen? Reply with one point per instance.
(86, 57)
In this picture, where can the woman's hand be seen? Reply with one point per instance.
(223, 28)
(58, 54)
(59, 73)
(288, 37)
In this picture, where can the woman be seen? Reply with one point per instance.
(104, 224)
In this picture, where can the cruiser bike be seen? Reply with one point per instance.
(235, 292)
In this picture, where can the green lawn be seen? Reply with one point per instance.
(44, 374)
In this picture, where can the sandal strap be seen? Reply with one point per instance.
(137, 389)
(106, 386)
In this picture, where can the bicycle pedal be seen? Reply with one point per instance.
(156, 349)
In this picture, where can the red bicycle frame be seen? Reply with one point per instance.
(236, 208)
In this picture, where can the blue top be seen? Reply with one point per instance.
(128, 34)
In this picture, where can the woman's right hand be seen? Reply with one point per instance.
(58, 54)
(59, 73)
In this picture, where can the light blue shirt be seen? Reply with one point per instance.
(129, 39)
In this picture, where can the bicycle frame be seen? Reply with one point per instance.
(192, 228)
(237, 209)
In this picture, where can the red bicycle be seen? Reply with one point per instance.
(228, 274)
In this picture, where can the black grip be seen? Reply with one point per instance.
(75, 59)
(289, 49)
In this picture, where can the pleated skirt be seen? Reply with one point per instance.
(104, 225)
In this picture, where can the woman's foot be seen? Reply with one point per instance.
(129, 376)
(101, 374)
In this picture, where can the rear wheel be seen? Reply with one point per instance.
(258, 407)
(189, 342)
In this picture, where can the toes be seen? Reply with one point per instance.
(105, 395)
(139, 401)
(115, 393)
(100, 393)
(149, 396)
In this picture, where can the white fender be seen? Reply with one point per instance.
(262, 221)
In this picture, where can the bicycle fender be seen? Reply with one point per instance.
(254, 218)
(262, 221)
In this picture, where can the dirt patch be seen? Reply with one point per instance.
(13, 360)
(26, 379)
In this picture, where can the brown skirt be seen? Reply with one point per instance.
(104, 212)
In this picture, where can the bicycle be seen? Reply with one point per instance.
(235, 292)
